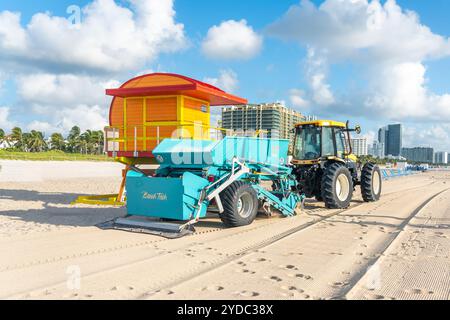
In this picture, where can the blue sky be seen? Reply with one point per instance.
(342, 80)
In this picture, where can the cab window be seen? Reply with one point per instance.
(307, 143)
(327, 142)
(340, 147)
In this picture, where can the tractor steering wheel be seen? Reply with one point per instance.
(311, 155)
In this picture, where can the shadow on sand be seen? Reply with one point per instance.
(55, 209)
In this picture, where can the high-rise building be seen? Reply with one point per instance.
(383, 136)
(391, 137)
(441, 157)
(274, 118)
(360, 146)
(394, 141)
(377, 150)
(418, 154)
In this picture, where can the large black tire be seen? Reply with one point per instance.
(371, 182)
(240, 204)
(337, 187)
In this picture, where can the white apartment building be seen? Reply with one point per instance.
(360, 146)
(441, 157)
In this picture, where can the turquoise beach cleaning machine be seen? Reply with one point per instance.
(234, 177)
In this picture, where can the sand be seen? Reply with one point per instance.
(397, 248)
(34, 171)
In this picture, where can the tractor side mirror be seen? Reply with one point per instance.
(358, 129)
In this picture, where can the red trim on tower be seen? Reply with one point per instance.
(138, 92)
(130, 154)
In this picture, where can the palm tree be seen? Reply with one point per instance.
(35, 141)
(87, 141)
(26, 136)
(99, 140)
(75, 132)
(4, 139)
(17, 137)
(57, 142)
(2, 136)
(74, 139)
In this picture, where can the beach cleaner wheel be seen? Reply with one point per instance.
(240, 204)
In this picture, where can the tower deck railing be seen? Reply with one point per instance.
(118, 138)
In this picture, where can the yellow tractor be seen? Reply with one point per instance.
(326, 168)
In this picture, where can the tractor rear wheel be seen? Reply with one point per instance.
(371, 182)
(337, 187)
(240, 204)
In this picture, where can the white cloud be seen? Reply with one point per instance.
(371, 136)
(297, 98)
(281, 102)
(390, 48)
(5, 122)
(2, 79)
(61, 70)
(426, 136)
(63, 90)
(62, 120)
(316, 73)
(227, 80)
(13, 37)
(42, 126)
(389, 45)
(86, 117)
(110, 38)
(232, 40)
(322, 93)
(62, 101)
(361, 29)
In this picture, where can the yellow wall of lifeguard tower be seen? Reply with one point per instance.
(152, 119)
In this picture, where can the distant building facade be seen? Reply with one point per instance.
(383, 137)
(395, 141)
(441, 158)
(274, 118)
(377, 150)
(418, 154)
(392, 138)
(360, 146)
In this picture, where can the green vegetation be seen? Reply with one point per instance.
(51, 156)
(365, 159)
(32, 145)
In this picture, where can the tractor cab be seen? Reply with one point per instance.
(322, 140)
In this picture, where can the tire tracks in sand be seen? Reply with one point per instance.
(214, 259)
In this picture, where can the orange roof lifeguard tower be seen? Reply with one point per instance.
(150, 108)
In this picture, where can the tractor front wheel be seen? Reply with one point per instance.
(337, 187)
(240, 204)
(371, 182)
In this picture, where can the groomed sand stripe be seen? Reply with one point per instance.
(411, 267)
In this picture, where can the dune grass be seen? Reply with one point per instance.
(51, 156)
